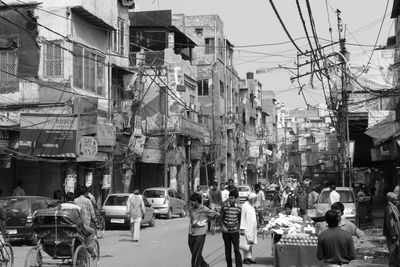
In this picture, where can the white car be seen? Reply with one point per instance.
(244, 191)
(166, 201)
(347, 197)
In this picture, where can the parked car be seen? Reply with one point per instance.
(19, 212)
(244, 191)
(166, 201)
(347, 197)
(114, 211)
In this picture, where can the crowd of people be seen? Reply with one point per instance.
(238, 224)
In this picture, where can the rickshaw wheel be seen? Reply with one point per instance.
(33, 258)
(8, 255)
(81, 257)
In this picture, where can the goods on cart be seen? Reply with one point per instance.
(289, 224)
(299, 240)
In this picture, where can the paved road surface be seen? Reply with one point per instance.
(165, 245)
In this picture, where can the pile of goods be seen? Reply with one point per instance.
(299, 240)
(289, 224)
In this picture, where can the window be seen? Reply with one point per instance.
(210, 45)
(202, 86)
(118, 37)
(88, 70)
(192, 99)
(221, 88)
(8, 65)
(121, 39)
(53, 59)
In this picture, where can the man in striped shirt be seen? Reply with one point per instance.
(230, 224)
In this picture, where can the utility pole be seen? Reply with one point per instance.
(343, 127)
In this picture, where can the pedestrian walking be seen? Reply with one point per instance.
(335, 246)
(231, 187)
(224, 192)
(260, 195)
(391, 228)
(248, 224)
(135, 209)
(302, 200)
(312, 198)
(333, 195)
(199, 216)
(230, 224)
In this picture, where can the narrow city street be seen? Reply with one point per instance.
(166, 245)
(163, 245)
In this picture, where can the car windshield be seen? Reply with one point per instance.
(19, 205)
(346, 196)
(154, 193)
(116, 201)
(243, 189)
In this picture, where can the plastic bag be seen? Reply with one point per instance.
(243, 243)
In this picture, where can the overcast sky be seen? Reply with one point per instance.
(251, 23)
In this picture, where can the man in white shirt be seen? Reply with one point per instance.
(333, 196)
(224, 193)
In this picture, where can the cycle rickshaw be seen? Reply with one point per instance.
(61, 236)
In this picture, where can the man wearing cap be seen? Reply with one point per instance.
(248, 225)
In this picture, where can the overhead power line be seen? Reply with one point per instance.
(284, 27)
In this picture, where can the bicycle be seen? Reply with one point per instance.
(6, 254)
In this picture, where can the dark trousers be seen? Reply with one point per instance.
(229, 240)
(196, 244)
(393, 247)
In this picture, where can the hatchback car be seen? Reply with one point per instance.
(19, 212)
(166, 201)
(114, 211)
(244, 191)
(348, 199)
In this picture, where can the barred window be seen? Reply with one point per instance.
(89, 70)
(8, 65)
(53, 59)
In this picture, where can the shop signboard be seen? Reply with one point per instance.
(87, 147)
(48, 135)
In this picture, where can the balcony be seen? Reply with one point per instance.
(152, 58)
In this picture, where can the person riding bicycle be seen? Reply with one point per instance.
(88, 215)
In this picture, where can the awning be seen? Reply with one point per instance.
(94, 20)
(383, 131)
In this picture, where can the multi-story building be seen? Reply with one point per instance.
(62, 65)
(168, 103)
(254, 122)
(218, 93)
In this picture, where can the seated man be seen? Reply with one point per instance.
(70, 206)
(344, 224)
